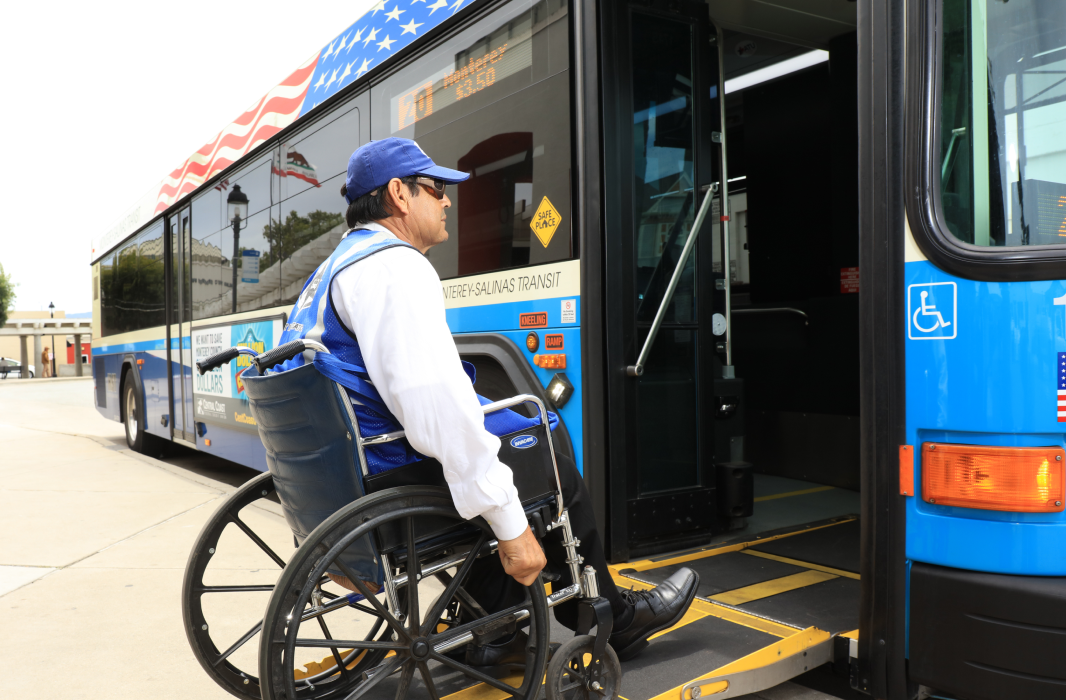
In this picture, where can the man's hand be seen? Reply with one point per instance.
(522, 557)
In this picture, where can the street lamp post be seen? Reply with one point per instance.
(237, 205)
(52, 314)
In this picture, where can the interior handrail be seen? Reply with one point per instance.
(776, 310)
(638, 369)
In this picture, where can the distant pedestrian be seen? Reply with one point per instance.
(46, 362)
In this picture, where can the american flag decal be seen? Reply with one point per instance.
(383, 31)
(1061, 367)
(274, 111)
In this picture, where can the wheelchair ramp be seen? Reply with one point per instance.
(766, 611)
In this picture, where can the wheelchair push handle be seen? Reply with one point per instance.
(217, 360)
(283, 353)
(263, 362)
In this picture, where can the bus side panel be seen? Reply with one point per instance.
(154, 379)
(238, 446)
(506, 318)
(107, 371)
(989, 377)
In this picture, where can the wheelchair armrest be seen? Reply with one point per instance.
(489, 408)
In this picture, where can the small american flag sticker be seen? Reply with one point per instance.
(1061, 367)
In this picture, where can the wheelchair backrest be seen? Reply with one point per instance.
(309, 436)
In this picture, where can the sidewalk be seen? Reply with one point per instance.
(98, 537)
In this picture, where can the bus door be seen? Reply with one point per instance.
(179, 329)
(662, 464)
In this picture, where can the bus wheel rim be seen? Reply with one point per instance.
(131, 413)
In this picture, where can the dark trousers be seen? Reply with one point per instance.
(495, 590)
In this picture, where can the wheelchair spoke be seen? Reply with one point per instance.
(234, 589)
(239, 643)
(363, 589)
(449, 592)
(336, 653)
(464, 597)
(405, 681)
(474, 673)
(258, 540)
(414, 573)
(383, 673)
(427, 678)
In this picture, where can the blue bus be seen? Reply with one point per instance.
(793, 276)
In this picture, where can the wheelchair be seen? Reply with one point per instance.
(373, 602)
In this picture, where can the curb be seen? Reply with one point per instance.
(4, 382)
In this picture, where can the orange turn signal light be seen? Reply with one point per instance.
(550, 361)
(1016, 479)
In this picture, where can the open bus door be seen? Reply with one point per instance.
(179, 326)
(663, 495)
(733, 434)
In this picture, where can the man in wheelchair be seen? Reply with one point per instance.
(385, 315)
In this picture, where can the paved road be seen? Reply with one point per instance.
(96, 540)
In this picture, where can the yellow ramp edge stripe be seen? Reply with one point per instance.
(773, 587)
(802, 492)
(707, 609)
(803, 564)
(796, 643)
(646, 564)
(854, 634)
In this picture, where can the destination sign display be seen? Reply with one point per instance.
(474, 69)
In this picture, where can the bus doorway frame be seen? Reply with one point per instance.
(880, 666)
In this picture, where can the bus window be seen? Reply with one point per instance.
(493, 101)
(664, 201)
(131, 284)
(309, 169)
(1002, 118)
(254, 235)
(312, 157)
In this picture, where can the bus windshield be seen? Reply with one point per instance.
(1003, 121)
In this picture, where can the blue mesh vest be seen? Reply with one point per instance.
(313, 317)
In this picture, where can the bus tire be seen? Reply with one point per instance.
(133, 418)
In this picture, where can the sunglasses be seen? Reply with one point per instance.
(433, 186)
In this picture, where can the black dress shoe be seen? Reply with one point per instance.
(655, 610)
(503, 656)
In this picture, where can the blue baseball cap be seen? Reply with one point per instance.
(375, 163)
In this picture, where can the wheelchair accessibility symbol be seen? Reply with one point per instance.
(931, 311)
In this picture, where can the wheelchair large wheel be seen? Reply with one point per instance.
(230, 546)
(427, 638)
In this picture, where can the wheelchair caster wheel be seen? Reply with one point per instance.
(571, 675)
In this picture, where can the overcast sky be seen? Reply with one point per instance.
(103, 99)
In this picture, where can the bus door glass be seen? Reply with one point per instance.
(179, 326)
(670, 476)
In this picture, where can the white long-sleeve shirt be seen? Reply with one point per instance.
(392, 302)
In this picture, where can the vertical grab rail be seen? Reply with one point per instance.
(638, 369)
(723, 192)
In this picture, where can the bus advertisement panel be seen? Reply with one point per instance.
(218, 395)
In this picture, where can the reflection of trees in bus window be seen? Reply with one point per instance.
(1003, 122)
(132, 285)
(492, 101)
